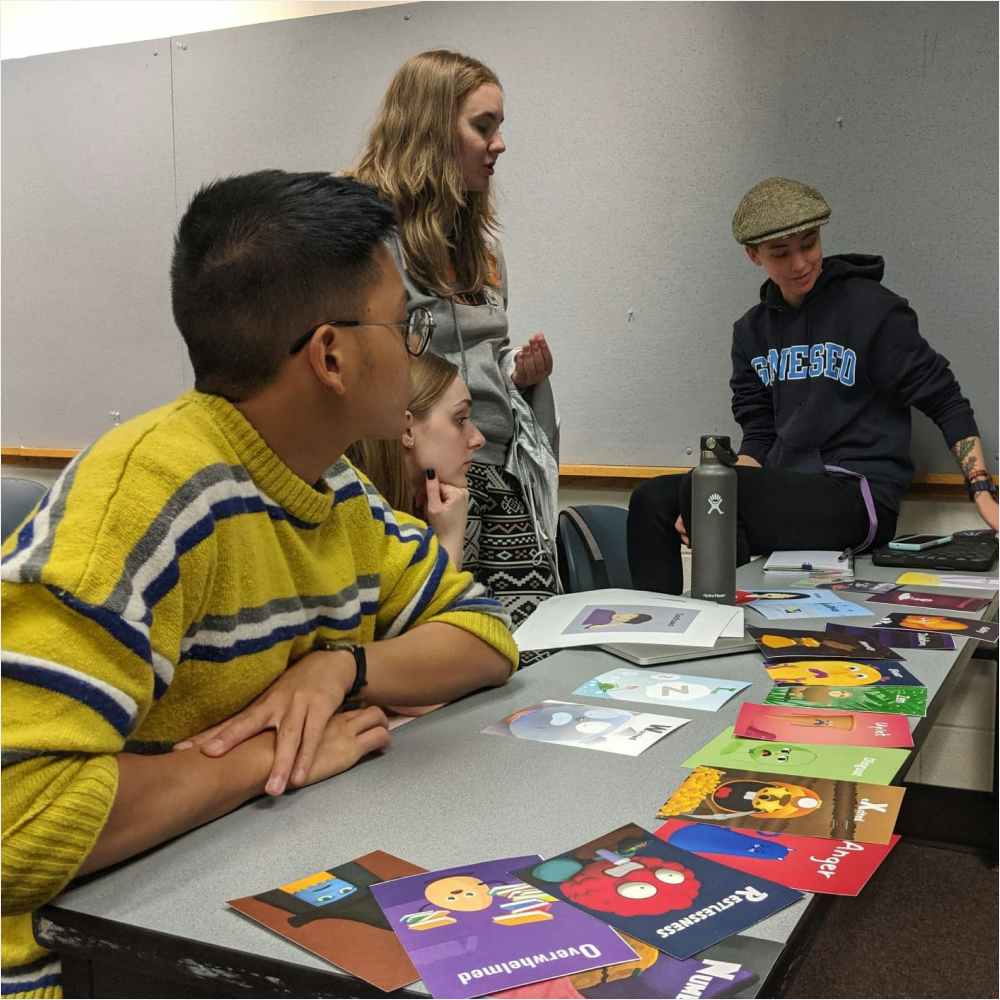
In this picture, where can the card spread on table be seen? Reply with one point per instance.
(891, 698)
(895, 638)
(812, 807)
(478, 928)
(616, 615)
(876, 765)
(590, 727)
(858, 586)
(780, 605)
(811, 864)
(966, 581)
(774, 723)
(659, 687)
(718, 972)
(797, 644)
(841, 673)
(963, 628)
(333, 914)
(669, 898)
(925, 599)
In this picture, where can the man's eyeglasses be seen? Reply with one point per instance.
(416, 331)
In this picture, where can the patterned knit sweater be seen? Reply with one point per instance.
(171, 574)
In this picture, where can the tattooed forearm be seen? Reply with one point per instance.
(969, 453)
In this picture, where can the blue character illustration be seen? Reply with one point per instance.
(702, 838)
(328, 891)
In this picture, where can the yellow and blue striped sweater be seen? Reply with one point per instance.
(171, 574)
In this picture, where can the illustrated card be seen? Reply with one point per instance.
(811, 864)
(479, 928)
(626, 619)
(967, 581)
(810, 807)
(966, 628)
(895, 638)
(926, 599)
(774, 723)
(668, 898)
(333, 914)
(858, 586)
(797, 644)
(658, 687)
(841, 673)
(876, 765)
(720, 971)
(589, 727)
(891, 698)
(782, 605)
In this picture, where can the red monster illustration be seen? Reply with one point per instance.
(639, 886)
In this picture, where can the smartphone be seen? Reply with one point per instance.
(917, 543)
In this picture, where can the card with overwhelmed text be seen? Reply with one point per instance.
(812, 807)
(659, 687)
(842, 762)
(841, 673)
(589, 727)
(964, 628)
(479, 928)
(811, 864)
(895, 638)
(333, 914)
(774, 723)
(669, 898)
(892, 698)
(721, 971)
(781, 605)
(797, 644)
(926, 599)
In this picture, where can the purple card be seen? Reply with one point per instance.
(925, 599)
(478, 929)
(895, 638)
(964, 628)
(669, 898)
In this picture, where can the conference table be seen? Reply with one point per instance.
(443, 795)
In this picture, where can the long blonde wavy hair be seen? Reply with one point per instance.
(382, 461)
(412, 160)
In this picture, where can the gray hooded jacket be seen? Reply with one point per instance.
(521, 427)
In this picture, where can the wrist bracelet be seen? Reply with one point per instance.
(983, 484)
(360, 663)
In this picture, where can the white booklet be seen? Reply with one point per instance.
(809, 560)
(595, 617)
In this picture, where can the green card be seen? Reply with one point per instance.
(901, 700)
(875, 765)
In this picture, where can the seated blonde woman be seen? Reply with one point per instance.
(424, 471)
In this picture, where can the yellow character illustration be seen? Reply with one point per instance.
(843, 673)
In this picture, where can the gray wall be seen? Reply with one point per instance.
(633, 129)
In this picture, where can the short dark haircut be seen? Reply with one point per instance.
(260, 258)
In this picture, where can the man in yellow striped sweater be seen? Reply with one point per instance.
(195, 607)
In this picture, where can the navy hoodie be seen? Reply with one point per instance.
(832, 382)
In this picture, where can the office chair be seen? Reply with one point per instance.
(591, 546)
(18, 497)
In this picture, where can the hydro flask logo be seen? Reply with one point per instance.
(715, 504)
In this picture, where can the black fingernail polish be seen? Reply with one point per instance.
(429, 473)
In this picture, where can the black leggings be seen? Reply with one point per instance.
(777, 510)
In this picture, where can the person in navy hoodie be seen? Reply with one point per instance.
(825, 370)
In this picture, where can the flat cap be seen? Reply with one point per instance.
(778, 207)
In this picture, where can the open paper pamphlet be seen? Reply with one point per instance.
(637, 616)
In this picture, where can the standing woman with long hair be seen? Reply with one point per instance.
(432, 152)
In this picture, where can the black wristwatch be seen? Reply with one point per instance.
(360, 663)
(984, 484)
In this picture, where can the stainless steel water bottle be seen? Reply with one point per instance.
(713, 522)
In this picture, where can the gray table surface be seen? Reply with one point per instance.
(445, 795)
